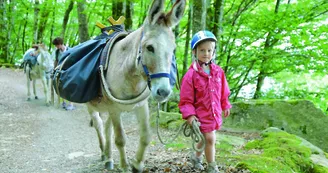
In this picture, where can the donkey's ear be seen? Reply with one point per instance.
(176, 13)
(155, 11)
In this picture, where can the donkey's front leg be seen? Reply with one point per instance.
(120, 140)
(143, 120)
(108, 152)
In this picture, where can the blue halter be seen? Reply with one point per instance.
(149, 76)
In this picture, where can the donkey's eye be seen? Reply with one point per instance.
(150, 48)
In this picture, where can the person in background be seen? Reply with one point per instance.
(56, 54)
(204, 96)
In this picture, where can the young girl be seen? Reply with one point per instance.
(204, 96)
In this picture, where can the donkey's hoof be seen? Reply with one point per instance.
(137, 167)
(134, 170)
(109, 165)
(36, 97)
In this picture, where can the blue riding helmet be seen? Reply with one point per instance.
(201, 36)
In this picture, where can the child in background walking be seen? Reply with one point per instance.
(204, 96)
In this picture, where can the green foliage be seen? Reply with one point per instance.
(296, 37)
(165, 118)
(300, 86)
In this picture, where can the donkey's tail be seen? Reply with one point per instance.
(27, 69)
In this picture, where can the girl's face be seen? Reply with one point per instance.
(204, 51)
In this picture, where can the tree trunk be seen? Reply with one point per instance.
(117, 9)
(52, 27)
(83, 23)
(18, 34)
(43, 20)
(259, 84)
(10, 19)
(218, 16)
(66, 17)
(24, 47)
(187, 45)
(129, 13)
(263, 74)
(3, 29)
(36, 21)
(198, 16)
(243, 81)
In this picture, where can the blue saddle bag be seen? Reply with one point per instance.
(76, 78)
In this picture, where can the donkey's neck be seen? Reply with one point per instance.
(124, 78)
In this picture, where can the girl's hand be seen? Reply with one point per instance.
(191, 119)
(226, 113)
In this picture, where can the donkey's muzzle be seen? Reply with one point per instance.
(163, 93)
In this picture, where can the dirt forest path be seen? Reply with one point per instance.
(35, 138)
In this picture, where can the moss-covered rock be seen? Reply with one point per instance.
(298, 117)
(275, 151)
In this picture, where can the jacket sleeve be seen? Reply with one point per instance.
(187, 97)
(225, 104)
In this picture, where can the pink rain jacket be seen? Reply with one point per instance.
(205, 96)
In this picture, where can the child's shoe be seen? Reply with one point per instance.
(64, 105)
(70, 107)
(212, 168)
(196, 161)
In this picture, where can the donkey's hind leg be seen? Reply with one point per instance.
(97, 123)
(45, 90)
(28, 83)
(143, 120)
(34, 88)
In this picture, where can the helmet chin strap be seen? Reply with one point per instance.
(205, 63)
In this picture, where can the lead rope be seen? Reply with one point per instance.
(189, 131)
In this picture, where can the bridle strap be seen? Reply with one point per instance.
(158, 75)
(145, 69)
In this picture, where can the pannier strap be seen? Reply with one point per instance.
(141, 97)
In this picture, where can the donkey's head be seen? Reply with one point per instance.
(44, 58)
(158, 46)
